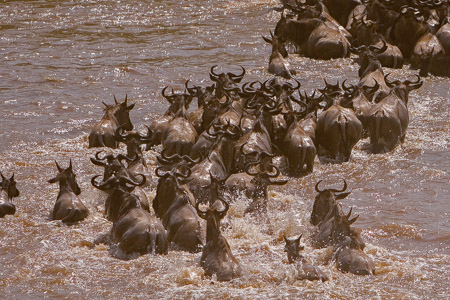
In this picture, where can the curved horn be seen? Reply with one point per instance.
(236, 77)
(390, 84)
(185, 174)
(277, 171)
(163, 93)
(317, 187)
(376, 49)
(212, 75)
(343, 189)
(417, 84)
(249, 165)
(159, 174)
(226, 207)
(201, 213)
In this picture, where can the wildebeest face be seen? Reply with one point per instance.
(324, 201)
(9, 185)
(66, 177)
(123, 116)
(293, 248)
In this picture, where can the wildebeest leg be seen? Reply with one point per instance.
(161, 244)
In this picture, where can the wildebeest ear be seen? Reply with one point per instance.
(130, 107)
(53, 180)
(342, 195)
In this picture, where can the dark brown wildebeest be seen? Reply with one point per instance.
(355, 99)
(216, 255)
(305, 270)
(180, 135)
(278, 66)
(135, 157)
(427, 47)
(324, 201)
(118, 115)
(338, 130)
(367, 35)
(114, 167)
(174, 204)
(443, 35)
(407, 29)
(389, 119)
(8, 191)
(298, 147)
(263, 177)
(68, 207)
(134, 229)
(370, 71)
(314, 37)
(176, 102)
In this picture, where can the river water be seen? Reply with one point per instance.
(61, 59)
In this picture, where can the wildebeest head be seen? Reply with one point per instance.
(9, 185)
(112, 164)
(213, 216)
(67, 178)
(169, 186)
(178, 100)
(341, 230)
(133, 140)
(402, 88)
(228, 80)
(293, 248)
(277, 44)
(121, 112)
(324, 202)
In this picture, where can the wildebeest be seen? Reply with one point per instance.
(174, 204)
(134, 229)
(299, 148)
(338, 130)
(118, 115)
(216, 255)
(68, 207)
(277, 63)
(389, 119)
(305, 270)
(114, 167)
(8, 191)
(350, 258)
(324, 201)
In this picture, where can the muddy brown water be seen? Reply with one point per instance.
(61, 59)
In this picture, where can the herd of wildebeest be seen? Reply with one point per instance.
(243, 135)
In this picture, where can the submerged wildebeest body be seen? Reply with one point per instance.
(350, 258)
(113, 167)
(134, 229)
(8, 191)
(68, 207)
(216, 255)
(118, 115)
(338, 130)
(277, 64)
(304, 269)
(389, 119)
(173, 204)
